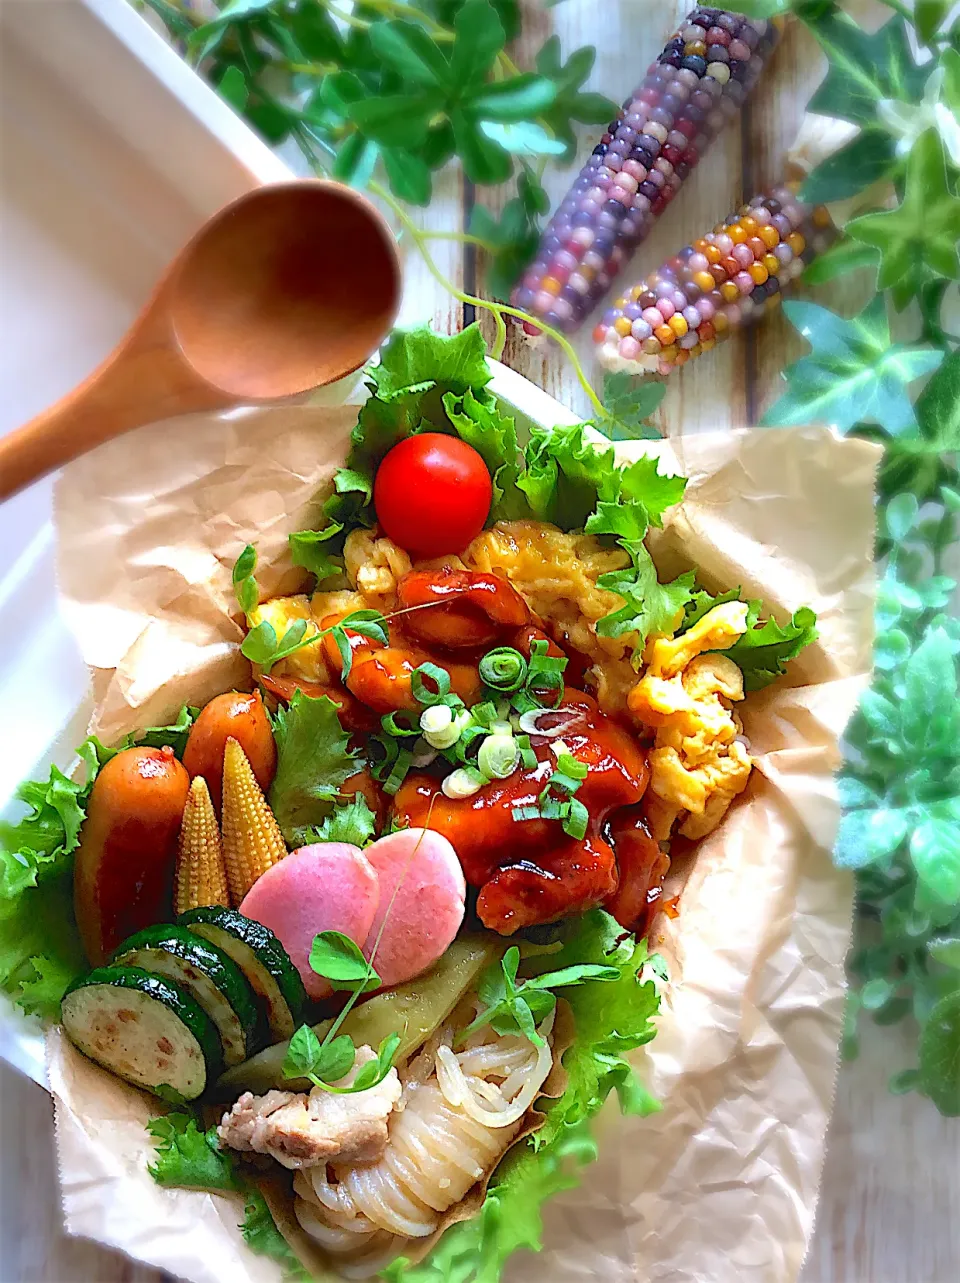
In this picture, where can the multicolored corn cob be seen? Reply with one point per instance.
(252, 841)
(714, 286)
(201, 877)
(696, 85)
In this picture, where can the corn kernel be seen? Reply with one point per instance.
(736, 233)
(796, 243)
(759, 274)
(704, 281)
(678, 324)
(665, 335)
(771, 263)
(622, 326)
(201, 877)
(729, 291)
(770, 236)
(252, 841)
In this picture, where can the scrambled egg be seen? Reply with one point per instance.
(557, 574)
(698, 764)
(374, 566)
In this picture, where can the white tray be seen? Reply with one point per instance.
(113, 152)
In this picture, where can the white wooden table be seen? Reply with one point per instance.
(889, 1210)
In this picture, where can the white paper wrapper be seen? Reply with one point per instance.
(722, 1184)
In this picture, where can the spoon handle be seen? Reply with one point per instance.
(143, 381)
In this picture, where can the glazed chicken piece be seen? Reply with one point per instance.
(303, 1131)
(467, 609)
(642, 867)
(380, 676)
(531, 872)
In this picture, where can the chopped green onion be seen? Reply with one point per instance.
(571, 766)
(467, 739)
(463, 782)
(423, 753)
(577, 818)
(400, 729)
(527, 756)
(434, 673)
(568, 783)
(390, 749)
(526, 813)
(399, 772)
(551, 808)
(498, 756)
(503, 669)
(484, 714)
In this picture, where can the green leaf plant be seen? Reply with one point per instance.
(900, 784)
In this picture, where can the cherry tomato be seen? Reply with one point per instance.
(432, 494)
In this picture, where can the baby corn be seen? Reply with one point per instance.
(201, 877)
(252, 841)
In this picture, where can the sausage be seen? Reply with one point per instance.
(123, 871)
(235, 715)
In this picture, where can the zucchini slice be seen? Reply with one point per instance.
(262, 959)
(143, 1029)
(208, 975)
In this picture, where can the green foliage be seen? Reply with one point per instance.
(853, 374)
(900, 784)
(613, 1016)
(190, 1158)
(398, 94)
(39, 950)
(313, 761)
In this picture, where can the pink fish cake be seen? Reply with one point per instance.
(330, 886)
(422, 896)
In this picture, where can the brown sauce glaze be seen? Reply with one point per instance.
(530, 871)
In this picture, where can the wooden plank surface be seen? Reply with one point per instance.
(891, 1189)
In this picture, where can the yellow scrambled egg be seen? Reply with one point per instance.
(698, 764)
(557, 574)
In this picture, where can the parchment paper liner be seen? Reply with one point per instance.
(721, 1185)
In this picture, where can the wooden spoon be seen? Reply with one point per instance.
(290, 287)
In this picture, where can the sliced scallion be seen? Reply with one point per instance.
(498, 757)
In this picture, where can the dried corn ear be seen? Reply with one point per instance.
(714, 286)
(695, 87)
(252, 841)
(201, 876)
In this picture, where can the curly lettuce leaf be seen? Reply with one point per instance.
(189, 1158)
(313, 761)
(261, 1235)
(482, 424)
(612, 1018)
(565, 474)
(351, 822)
(766, 648)
(649, 607)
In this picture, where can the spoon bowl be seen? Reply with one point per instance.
(285, 290)
(291, 287)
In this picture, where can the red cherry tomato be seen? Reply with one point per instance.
(432, 494)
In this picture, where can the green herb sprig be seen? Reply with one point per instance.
(338, 959)
(517, 1007)
(263, 647)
